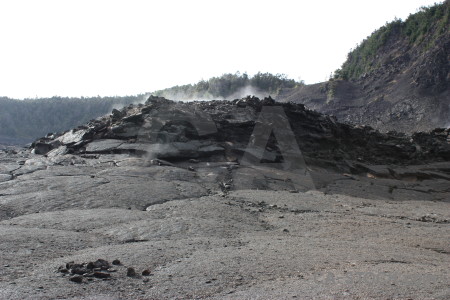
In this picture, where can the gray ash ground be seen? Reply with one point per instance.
(187, 219)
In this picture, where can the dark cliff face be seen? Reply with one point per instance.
(242, 144)
(390, 81)
(223, 131)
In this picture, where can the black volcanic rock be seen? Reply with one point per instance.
(221, 131)
(131, 272)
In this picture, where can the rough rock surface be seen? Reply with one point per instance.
(165, 189)
(174, 130)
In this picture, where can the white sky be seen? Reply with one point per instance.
(106, 47)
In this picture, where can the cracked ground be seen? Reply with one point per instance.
(203, 236)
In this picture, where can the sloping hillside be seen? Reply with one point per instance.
(396, 79)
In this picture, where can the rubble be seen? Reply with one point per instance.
(221, 131)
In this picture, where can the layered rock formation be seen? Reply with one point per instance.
(252, 143)
(221, 131)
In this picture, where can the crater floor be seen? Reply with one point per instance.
(220, 230)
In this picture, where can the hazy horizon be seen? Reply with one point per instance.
(116, 48)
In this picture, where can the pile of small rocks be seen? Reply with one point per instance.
(100, 269)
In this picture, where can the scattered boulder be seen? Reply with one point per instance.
(76, 279)
(42, 148)
(102, 275)
(73, 137)
(131, 272)
(117, 114)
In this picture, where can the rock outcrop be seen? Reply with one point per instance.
(222, 131)
(253, 144)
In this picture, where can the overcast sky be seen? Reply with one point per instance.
(106, 47)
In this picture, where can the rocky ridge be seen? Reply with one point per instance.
(217, 135)
(223, 129)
